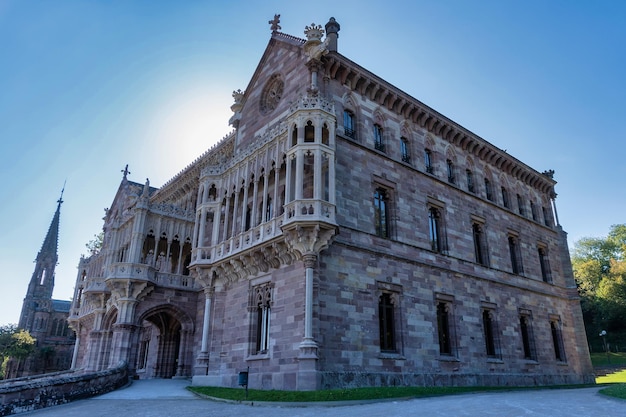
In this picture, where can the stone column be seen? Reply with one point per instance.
(76, 347)
(307, 359)
(308, 345)
(180, 366)
(202, 361)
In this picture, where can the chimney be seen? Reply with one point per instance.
(332, 33)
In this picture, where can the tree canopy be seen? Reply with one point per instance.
(600, 271)
(15, 343)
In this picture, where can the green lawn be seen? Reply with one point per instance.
(354, 394)
(600, 359)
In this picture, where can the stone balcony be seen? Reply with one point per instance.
(309, 211)
(144, 272)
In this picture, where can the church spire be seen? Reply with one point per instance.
(39, 295)
(51, 242)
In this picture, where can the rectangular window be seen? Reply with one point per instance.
(470, 180)
(526, 331)
(348, 124)
(444, 329)
(480, 244)
(386, 323)
(546, 216)
(492, 344)
(533, 211)
(404, 150)
(428, 162)
(488, 190)
(450, 171)
(544, 264)
(505, 198)
(261, 300)
(516, 256)
(557, 340)
(381, 212)
(379, 144)
(520, 205)
(435, 229)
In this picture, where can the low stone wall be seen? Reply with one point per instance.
(32, 393)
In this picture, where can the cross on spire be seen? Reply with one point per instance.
(60, 200)
(125, 171)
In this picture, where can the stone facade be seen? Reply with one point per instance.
(344, 234)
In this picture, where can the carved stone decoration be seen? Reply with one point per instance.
(314, 47)
(308, 238)
(272, 92)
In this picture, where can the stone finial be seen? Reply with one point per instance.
(238, 105)
(238, 95)
(332, 33)
(275, 23)
(314, 47)
(314, 33)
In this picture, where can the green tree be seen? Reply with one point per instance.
(95, 244)
(15, 343)
(600, 271)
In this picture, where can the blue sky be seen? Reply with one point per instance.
(87, 87)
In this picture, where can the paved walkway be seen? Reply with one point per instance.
(161, 397)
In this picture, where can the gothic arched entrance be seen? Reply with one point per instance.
(162, 348)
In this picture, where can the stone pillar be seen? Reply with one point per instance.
(76, 347)
(299, 173)
(308, 343)
(202, 361)
(307, 359)
(180, 366)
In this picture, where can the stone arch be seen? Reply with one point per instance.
(164, 342)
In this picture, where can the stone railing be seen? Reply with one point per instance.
(241, 242)
(41, 391)
(144, 272)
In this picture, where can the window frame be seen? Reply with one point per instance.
(506, 202)
(349, 125)
(379, 138)
(557, 339)
(428, 161)
(490, 332)
(544, 264)
(436, 227)
(469, 177)
(260, 307)
(515, 253)
(387, 322)
(529, 350)
(481, 253)
(450, 171)
(488, 189)
(405, 152)
(446, 336)
(381, 212)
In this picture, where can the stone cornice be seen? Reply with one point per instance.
(187, 179)
(366, 84)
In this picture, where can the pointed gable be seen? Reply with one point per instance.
(280, 77)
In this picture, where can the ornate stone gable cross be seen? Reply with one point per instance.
(275, 23)
(125, 171)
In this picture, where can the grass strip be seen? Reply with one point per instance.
(352, 394)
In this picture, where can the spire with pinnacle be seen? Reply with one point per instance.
(39, 294)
